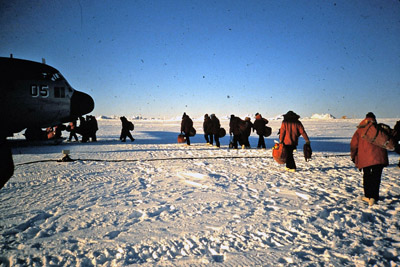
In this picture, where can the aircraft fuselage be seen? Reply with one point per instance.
(36, 95)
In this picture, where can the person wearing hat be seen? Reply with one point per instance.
(289, 133)
(369, 158)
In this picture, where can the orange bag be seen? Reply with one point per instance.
(279, 153)
(181, 138)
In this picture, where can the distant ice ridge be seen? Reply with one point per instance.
(322, 116)
(201, 118)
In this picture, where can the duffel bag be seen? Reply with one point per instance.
(279, 153)
(379, 135)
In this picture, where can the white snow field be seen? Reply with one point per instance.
(154, 202)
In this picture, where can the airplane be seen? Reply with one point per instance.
(34, 95)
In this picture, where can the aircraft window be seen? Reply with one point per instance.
(59, 92)
(55, 77)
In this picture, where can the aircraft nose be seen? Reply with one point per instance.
(81, 104)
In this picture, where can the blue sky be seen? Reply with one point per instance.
(163, 58)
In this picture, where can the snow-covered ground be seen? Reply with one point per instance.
(156, 202)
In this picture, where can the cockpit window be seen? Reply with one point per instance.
(51, 76)
(55, 77)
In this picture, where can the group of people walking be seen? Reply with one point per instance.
(211, 128)
(240, 131)
(87, 128)
(368, 157)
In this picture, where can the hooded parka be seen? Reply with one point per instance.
(363, 153)
(291, 129)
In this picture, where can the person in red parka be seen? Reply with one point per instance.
(370, 158)
(289, 134)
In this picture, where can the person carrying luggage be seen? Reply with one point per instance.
(186, 127)
(289, 133)
(259, 126)
(127, 126)
(216, 126)
(207, 129)
(369, 158)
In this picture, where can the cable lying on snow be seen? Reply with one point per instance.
(66, 158)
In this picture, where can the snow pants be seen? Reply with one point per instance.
(125, 133)
(261, 141)
(290, 164)
(209, 138)
(216, 138)
(372, 181)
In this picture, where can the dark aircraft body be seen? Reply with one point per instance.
(34, 95)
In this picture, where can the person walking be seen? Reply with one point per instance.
(234, 129)
(72, 131)
(216, 126)
(127, 126)
(186, 126)
(289, 133)
(260, 127)
(369, 158)
(246, 133)
(207, 129)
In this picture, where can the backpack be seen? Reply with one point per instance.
(192, 132)
(279, 153)
(130, 126)
(221, 132)
(380, 135)
(307, 151)
(267, 131)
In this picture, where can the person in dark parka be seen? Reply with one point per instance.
(127, 126)
(246, 133)
(207, 128)
(370, 158)
(290, 131)
(216, 126)
(83, 129)
(92, 126)
(234, 129)
(260, 127)
(186, 126)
